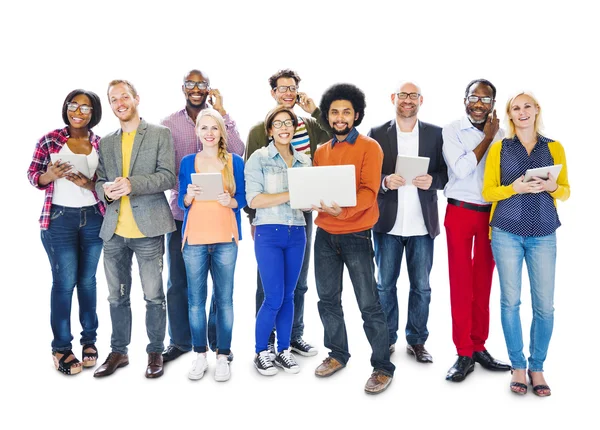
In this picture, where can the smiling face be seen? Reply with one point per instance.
(479, 111)
(287, 98)
(407, 108)
(78, 119)
(523, 112)
(208, 131)
(341, 117)
(122, 102)
(284, 134)
(196, 98)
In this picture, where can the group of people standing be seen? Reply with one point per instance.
(122, 208)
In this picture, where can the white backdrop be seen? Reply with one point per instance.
(50, 48)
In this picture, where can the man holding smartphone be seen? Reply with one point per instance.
(310, 132)
(198, 96)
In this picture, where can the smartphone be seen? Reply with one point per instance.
(297, 98)
(107, 184)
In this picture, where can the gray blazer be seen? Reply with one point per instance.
(430, 145)
(151, 173)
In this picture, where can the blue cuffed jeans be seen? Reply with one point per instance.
(219, 259)
(539, 254)
(279, 254)
(332, 252)
(118, 254)
(73, 245)
(419, 259)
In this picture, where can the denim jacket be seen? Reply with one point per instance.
(266, 173)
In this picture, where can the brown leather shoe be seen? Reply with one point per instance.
(378, 382)
(112, 363)
(420, 353)
(328, 367)
(155, 365)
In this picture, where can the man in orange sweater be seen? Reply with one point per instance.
(344, 237)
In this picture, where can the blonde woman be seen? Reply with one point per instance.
(523, 224)
(211, 230)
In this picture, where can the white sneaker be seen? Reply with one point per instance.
(263, 364)
(222, 372)
(285, 359)
(199, 366)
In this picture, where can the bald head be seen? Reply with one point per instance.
(408, 99)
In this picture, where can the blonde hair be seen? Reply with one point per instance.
(222, 153)
(510, 126)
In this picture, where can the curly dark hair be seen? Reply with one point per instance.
(96, 106)
(344, 92)
(284, 73)
(481, 81)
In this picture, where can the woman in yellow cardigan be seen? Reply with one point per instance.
(523, 225)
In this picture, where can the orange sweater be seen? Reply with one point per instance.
(367, 157)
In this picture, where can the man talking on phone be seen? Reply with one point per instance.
(310, 132)
(198, 96)
(470, 260)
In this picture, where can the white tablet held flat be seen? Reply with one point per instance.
(409, 167)
(78, 161)
(309, 185)
(542, 172)
(211, 183)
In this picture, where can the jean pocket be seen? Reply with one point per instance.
(365, 235)
(55, 213)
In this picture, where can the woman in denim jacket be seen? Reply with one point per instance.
(279, 239)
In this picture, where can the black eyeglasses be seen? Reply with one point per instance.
(84, 109)
(279, 124)
(189, 85)
(412, 96)
(475, 99)
(284, 88)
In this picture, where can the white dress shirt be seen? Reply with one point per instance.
(465, 176)
(409, 218)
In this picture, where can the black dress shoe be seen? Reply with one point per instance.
(171, 353)
(420, 353)
(459, 371)
(486, 360)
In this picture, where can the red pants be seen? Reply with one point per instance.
(471, 266)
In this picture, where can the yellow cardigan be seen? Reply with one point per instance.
(493, 191)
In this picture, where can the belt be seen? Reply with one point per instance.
(472, 206)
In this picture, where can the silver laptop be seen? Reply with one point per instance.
(309, 185)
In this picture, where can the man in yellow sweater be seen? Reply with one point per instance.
(344, 238)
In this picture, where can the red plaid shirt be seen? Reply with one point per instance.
(50, 144)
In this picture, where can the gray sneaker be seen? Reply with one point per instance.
(263, 364)
(285, 359)
(301, 347)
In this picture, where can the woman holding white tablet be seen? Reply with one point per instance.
(211, 230)
(70, 225)
(279, 239)
(523, 223)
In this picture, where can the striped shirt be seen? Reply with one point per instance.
(186, 142)
(52, 143)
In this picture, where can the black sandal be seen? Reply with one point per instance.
(518, 387)
(540, 390)
(91, 356)
(66, 367)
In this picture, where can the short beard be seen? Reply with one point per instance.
(477, 122)
(343, 132)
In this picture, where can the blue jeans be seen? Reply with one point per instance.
(219, 259)
(332, 252)
(301, 286)
(279, 253)
(419, 259)
(539, 254)
(73, 247)
(118, 254)
(177, 297)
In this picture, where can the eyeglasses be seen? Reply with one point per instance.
(84, 109)
(279, 124)
(403, 96)
(475, 99)
(284, 88)
(189, 85)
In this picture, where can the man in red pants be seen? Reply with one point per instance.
(470, 260)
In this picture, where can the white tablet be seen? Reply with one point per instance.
(309, 185)
(542, 172)
(78, 161)
(211, 183)
(409, 167)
